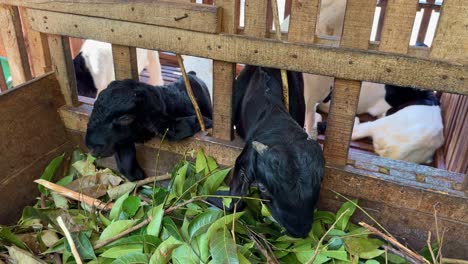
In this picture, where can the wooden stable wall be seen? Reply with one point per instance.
(398, 194)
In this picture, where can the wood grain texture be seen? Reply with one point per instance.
(357, 26)
(13, 40)
(196, 17)
(63, 67)
(302, 21)
(398, 25)
(255, 18)
(3, 84)
(450, 41)
(340, 121)
(223, 77)
(351, 64)
(32, 135)
(125, 62)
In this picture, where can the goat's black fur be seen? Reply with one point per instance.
(84, 80)
(129, 112)
(277, 155)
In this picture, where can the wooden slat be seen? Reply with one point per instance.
(352, 64)
(3, 84)
(196, 17)
(255, 18)
(302, 21)
(357, 26)
(223, 77)
(426, 18)
(450, 41)
(13, 40)
(340, 121)
(125, 62)
(398, 25)
(63, 67)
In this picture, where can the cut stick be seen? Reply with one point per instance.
(284, 76)
(70, 240)
(90, 201)
(164, 177)
(190, 92)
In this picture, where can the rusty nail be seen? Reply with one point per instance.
(180, 18)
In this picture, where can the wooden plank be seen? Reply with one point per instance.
(223, 77)
(38, 47)
(302, 21)
(13, 40)
(125, 62)
(383, 7)
(3, 84)
(340, 121)
(196, 17)
(426, 18)
(63, 67)
(398, 25)
(351, 64)
(29, 112)
(255, 18)
(450, 41)
(357, 26)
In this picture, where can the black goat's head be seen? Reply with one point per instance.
(125, 112)
(288, 176)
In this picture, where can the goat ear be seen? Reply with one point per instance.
(127, 163)
(259, 147)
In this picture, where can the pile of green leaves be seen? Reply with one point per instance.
(183, 227)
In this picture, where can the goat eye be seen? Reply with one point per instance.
(125, 120)
(262, 188)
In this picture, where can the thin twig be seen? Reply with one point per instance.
(163, 177)
(311, 260)
(70, 240)
(394, 242)
(88, 200)
(57, 258)
(400, 254)
(430, 247)
(188, 87)
(43, 201)
(262, 250)
(233, 233)
(453, 261)
(284, 76)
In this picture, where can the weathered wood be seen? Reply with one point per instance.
(3, 84)
(32, 135)
(125, 62)
(357, 26)
(63, 67)
(302, 21)
(340, 121)
(196, 17)
(398, 25)
(255, 18)
(223, 77)
(38, 49)
(450, 41)
(13, 40)
(351, 64)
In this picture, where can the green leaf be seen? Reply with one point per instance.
(137, 240)
(83, 245)
(164, 251)
(119, 251)
(106, 222)
(215, 180)
(7, 237)
(372, 261)
(200, 163)
(305, 253)
(343, 222)
(115, 228)
(371, 254)
(265, 211)
(65, 180)
(178, 185)
(223, 248)
(363, 247)
(202, 222)
(117, 207)
(120, 190)
(324, 216)
(227, 202)
(171, 228)
(57, 247)
(212, 165)
(59, 201)
(22, 256)
(335, 243)
(130, 205)
(49, 172)
(336, 254)
(392, 258)
(132, 258)
(185, 255)
(154, 227)
(242, 259)
(317, 230)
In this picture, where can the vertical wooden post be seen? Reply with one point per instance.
(356, 31)
(255, 23)
(303, 21)
(63, 67)
(223, 77)
(426, 17)
(125, 62)
(398, 25)
(13, 40)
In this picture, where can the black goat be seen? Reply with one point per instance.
(84, 80)
(287, 165)
(129, 112)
